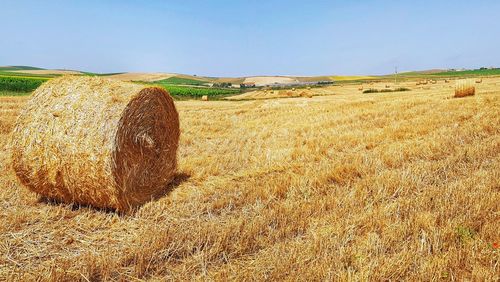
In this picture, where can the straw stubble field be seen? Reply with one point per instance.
(347, 186)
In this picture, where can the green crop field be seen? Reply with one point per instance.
(23, 85)
(182, 92)
(17, 68)
(465, 73)
(181, 81)
(479, 72)
(28, 75)
(20, 84)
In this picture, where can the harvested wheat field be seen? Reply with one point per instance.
(341, 186)
(265, 80)
(140, 76)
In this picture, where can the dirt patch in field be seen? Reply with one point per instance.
(267, 80)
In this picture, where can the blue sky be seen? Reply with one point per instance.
(242, 38)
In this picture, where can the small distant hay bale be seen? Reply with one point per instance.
(204, 98)
(308, 87)
(306, 94)
(479, 80)
(464, 88)
(293, 89)
(98, 142)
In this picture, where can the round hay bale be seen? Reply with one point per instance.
(97, 142)
(204, 98)
(306, 94)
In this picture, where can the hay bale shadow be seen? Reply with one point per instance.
(179, 178)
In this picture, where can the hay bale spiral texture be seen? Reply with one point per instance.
(97, 142)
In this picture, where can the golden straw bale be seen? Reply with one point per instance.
(307, 94)
(479, 80)
(98, 142)
(464, 87)
(204, 98)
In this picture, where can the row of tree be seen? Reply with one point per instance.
(222, 85)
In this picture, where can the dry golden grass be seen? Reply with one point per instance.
(350, 186)
(267, 80)
(140, 76)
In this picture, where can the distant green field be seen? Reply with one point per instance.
(20, 84)
(181, 81)
(477, 72)
(19, 74)
(182, 92)
(16, 68)
(482, 72)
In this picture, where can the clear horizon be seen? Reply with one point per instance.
(234, 39)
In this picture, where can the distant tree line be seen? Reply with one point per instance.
(247, 85)
(222, 85)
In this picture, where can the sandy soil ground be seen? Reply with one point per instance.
(265, 80)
